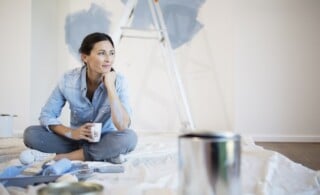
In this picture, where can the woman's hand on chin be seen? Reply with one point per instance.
(109, 79)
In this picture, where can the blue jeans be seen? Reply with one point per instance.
(111, 144)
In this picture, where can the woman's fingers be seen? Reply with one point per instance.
(88, 125)
(85, 133)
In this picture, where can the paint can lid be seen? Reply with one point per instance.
(81, 188)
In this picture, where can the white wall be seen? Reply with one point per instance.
(277, 60)
(252, 68)
(44, 57)
(15, 22)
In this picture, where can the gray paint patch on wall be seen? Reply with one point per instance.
(82, 23)
(180, 17)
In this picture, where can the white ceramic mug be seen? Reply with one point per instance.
(96, 132)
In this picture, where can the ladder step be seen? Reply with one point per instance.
(142, 33)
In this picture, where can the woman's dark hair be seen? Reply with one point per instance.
(89, 41)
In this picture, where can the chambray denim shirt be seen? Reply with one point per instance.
(72, 88)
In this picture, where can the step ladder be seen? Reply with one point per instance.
(159, 33)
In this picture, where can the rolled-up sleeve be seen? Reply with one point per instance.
(51, 111)
(123, 93)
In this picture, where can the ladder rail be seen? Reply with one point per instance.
(127, 15)
(154, 17)
(173, 64)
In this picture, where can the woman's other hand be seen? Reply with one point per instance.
(83, 132)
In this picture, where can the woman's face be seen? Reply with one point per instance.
(101, 57)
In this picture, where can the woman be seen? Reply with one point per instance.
(95, 94)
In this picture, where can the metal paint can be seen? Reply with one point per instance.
(76, 188)
(209, 163)
(6, 125)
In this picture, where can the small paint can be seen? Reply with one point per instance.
(6, 125)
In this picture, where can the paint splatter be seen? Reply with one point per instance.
(84, 22)
(180, 17)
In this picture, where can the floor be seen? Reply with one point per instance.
(307, 154)
(10, 148)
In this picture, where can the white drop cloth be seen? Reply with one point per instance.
(152, 170)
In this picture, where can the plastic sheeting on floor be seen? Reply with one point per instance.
(152, 169)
